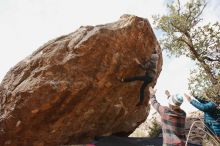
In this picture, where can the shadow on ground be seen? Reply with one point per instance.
(128, 141)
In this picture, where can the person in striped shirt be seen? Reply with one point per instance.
(172, 119)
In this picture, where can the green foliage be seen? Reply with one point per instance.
(154, 129)
(198, 83)
(183, 34)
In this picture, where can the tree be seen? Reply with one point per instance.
(183, 34)
(155, 128)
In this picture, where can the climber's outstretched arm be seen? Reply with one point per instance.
(143, 66)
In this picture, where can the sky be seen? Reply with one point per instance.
(27, 24)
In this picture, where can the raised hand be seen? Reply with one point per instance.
(167, 93)
(152, 91)
(137, 61)
(187, 97)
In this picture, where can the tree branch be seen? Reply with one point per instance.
(205, 66)
(200, 11)
(210, 59)
(178, 7)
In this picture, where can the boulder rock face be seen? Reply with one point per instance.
(67, 91)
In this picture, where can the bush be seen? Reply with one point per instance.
(155, 129)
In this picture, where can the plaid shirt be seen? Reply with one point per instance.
(173, 124)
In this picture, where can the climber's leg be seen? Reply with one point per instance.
(134, 78)
(147, 80)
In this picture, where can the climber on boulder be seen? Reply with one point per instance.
(150, 68)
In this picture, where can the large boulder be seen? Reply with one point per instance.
(67, 91)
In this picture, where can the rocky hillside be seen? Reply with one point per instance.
(67, 91)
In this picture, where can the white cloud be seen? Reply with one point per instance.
(211, 13)
(175, 73)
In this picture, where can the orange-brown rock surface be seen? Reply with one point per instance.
(67, 91)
